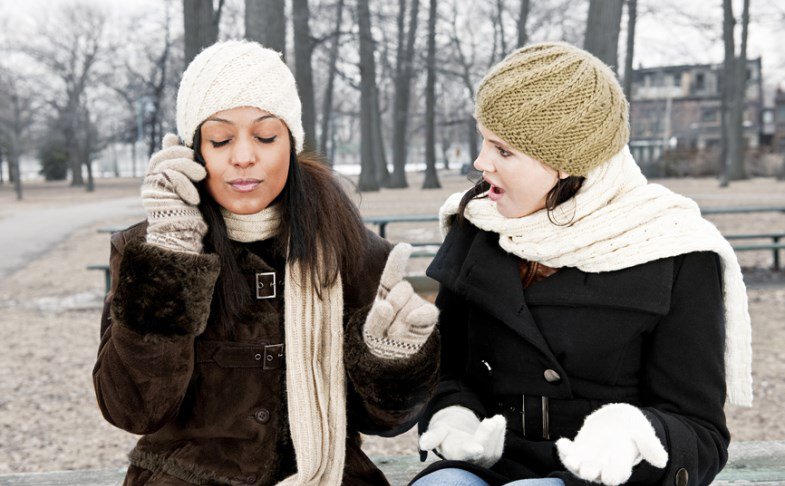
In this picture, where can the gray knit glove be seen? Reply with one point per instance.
(400, 321)
(170, 198)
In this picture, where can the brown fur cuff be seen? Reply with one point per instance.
(391, 384)
(162, 291)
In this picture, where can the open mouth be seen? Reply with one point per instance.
(495, 193)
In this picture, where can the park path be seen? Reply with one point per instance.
(26, 234)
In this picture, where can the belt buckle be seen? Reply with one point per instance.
(546, 419)
(272, 356)
(265, 285)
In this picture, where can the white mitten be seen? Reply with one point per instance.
(457, 434)
(613, 439)
(399, 321)
(170, 198)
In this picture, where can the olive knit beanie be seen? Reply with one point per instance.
(556, 103)
(232, 74)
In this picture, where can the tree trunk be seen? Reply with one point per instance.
(133, 158)
(72, 136)
(380, 156)
(523, 18)
(737, 169)
(632, 17)
(602, 30)
(327, 101)
(367, 181)
(200, 21)
(473, 151)
(90, 187)
(500, 23)
(15, 136)
(2, 177)
(13, 163)
(446, 143)
(728, 145)
(403, 77)
(265, 23)
(431, 180)
(87, 148)
(303, 48)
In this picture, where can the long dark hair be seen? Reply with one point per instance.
(315, 214)
(564, 190)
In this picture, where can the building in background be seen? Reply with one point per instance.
(777, 122)
(676, 117)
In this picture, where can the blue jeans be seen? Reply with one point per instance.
(459, 477)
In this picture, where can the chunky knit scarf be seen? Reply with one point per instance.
(619, 220)
(315, 385)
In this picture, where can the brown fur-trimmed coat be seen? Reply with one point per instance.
(211, 404)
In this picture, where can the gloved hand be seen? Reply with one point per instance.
(399, 321)
(170, 198)
(457, 434)
(613, 439)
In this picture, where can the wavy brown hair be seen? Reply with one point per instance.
(315, 211)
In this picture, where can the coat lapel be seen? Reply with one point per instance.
(472, 264)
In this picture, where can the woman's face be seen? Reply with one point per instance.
(519, 183)
(246, 153)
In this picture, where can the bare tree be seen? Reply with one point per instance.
(70, 44)
(602, 30)
(465, 65)
(523, 18)
(632, 17)
(327, 99)
(201, 22)
(265, 22)
(303, 50)
(403, 77)
(17, 108)
(431, 180)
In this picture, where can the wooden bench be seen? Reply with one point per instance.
(758, 463)
(429, 249)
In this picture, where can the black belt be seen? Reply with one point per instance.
(229, 354)
(529, 415)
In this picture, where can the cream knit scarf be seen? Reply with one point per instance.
(619, 220)
(315, 386)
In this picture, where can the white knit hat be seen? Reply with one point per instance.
(232, 74)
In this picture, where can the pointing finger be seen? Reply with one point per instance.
(395, 269)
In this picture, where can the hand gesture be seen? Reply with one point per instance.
(611, 442)
(170, 198)
(457, 434)
(399, 321)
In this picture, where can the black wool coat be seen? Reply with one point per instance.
(210, 404)
(652, 335)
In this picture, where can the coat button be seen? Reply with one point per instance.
(486, 367)
(682, 477)
(262, 415)
(551, 376)
(251, 479)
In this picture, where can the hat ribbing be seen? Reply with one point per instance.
(232, 74)
(556, 103)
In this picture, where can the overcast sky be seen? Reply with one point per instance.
(666, 31)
